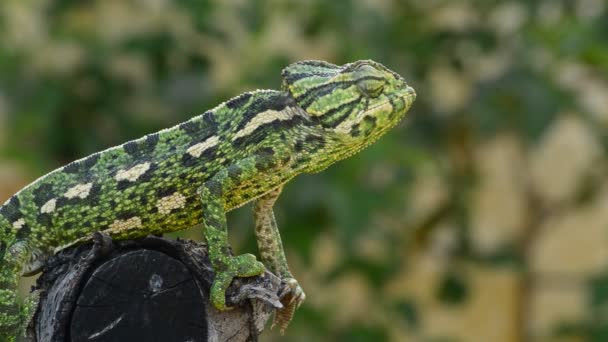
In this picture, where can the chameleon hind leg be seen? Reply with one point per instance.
(225, 265)
(273, 256)
(14, 316)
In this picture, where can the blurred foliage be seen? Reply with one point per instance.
(481, 218)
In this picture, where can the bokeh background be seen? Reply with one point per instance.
(482, 217)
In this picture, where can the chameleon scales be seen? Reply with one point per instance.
(243, 150)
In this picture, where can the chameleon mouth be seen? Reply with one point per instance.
(409, 95)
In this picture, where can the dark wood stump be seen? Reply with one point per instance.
(152, 289)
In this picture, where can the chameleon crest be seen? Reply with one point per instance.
(243, 150)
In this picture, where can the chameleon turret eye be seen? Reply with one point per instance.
(370, 81)
(371, 87)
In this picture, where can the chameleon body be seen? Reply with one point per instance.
(243, 150)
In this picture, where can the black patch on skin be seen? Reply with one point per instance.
(261, 165)
(209, 119)
(189, 160)
(266, 151)
(44, 220)
(371, 122)
(190, 127)
(306, 99)
(165, 173)
(63, 201)
(299, 146)
(315, 142)
(214, 187)
(90, 161)
(81, 165)
(238, 101)
(43, 194)
(200, 128)
(10, 210)
(317, 63)
(142, 146)
(355, 130)
(147, 176)
(124, 184)
(125, 215)
(234, 172)
(344, 109)
(93, 196)
(166, 191)
(150, 143)
(131, 148)
(23, 232)
(294, 77)
(277, 101)
(72, 167)
(192, 199)
(320, 90)
(209, 154)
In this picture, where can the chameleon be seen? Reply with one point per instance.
(244, 150)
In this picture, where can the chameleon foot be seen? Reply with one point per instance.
(244, 265)
(292, 296)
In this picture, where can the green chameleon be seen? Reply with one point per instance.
(243, 150)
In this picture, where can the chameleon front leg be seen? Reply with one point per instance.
(212, 194)
(273, 256)
(14, 316)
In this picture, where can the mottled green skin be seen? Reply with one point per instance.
(242, 150)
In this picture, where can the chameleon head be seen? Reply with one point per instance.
(356, 102)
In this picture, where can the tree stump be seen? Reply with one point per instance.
(152, 289)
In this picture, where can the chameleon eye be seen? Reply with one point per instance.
(371, 87)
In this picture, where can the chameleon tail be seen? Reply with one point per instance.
(12, 313)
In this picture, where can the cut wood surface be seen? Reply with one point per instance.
(152, 289)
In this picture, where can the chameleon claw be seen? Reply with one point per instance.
(244, 265)
(292, 296)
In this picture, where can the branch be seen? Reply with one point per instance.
(152, 289)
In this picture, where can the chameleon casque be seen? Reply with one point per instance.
(242, 150)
